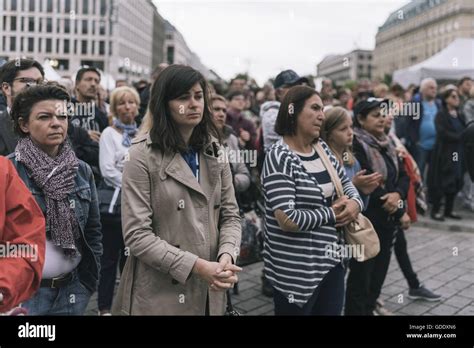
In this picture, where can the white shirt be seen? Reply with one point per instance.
(112, 154)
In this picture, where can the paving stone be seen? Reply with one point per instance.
(245, 295)
(469, 310)
(250, 304)
(262, 310)
(458, 301)
(443, 309)
(414, 309)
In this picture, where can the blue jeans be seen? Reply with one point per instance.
(69, 300)
(422, 158)
(327, 299)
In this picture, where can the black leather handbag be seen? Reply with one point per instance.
(109, 201)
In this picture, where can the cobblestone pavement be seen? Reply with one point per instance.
(442, 255)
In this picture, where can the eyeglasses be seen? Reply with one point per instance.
(29, 81)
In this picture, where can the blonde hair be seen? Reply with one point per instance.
(380, 89)
(118, 94)
(334, 117)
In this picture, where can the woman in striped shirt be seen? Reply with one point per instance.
(302, 249)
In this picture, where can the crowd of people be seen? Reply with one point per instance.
(153, 180)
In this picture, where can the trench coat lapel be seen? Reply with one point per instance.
(210, 171)
(179, 170)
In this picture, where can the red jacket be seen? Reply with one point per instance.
(21, 223)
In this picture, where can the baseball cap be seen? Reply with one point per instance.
(364, 106)
(288, 77)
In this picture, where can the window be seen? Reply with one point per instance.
(31, 24)
(84, 26)
(93, 27)
(67, 25)
(76, 25)
(40, 24)
(93, 48)
(12, 43)
(66, 46)
(49, 25)
(85, 6)
(49, 44)
(31, 42)
(84, 46)
(63, 64)
(102, 27)
(101, 47)
(94, 5)
(22, 26)
(170, 54)
(75, 46)
(110, 48)
(103, 7)
(4, 43)
(40, 44)
(32, 6)
(58, 25)
(57, 46)
(4, 23)
(67, 6)
(49, 6)
(13, 5)
(22, 46)
(13, 23)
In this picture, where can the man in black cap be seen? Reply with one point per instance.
(269, 110)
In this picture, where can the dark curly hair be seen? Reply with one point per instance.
(26, 100)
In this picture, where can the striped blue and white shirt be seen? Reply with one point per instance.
(296, 196)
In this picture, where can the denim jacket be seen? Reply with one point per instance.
(85, 202)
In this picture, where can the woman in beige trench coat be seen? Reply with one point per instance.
(179, 214)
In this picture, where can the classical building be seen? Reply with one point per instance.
(116, 36)
(418, 30)
(354, 65)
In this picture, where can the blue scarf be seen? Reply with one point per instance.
(129, 131)
(190, 158)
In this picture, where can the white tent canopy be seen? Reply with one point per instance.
(49, 73)
(452, 63)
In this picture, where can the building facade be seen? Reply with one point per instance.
(354, 65)
(158, 40)
(115, 36)
(418, 30)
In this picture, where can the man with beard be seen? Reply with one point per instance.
(86, 114)
(15, 76)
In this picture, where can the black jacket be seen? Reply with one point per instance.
(446, 166)
(85, 148)
(8, 138)
(88, 117)
(468, 142)
(374, 211)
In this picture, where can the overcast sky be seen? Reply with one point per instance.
(265, 37)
